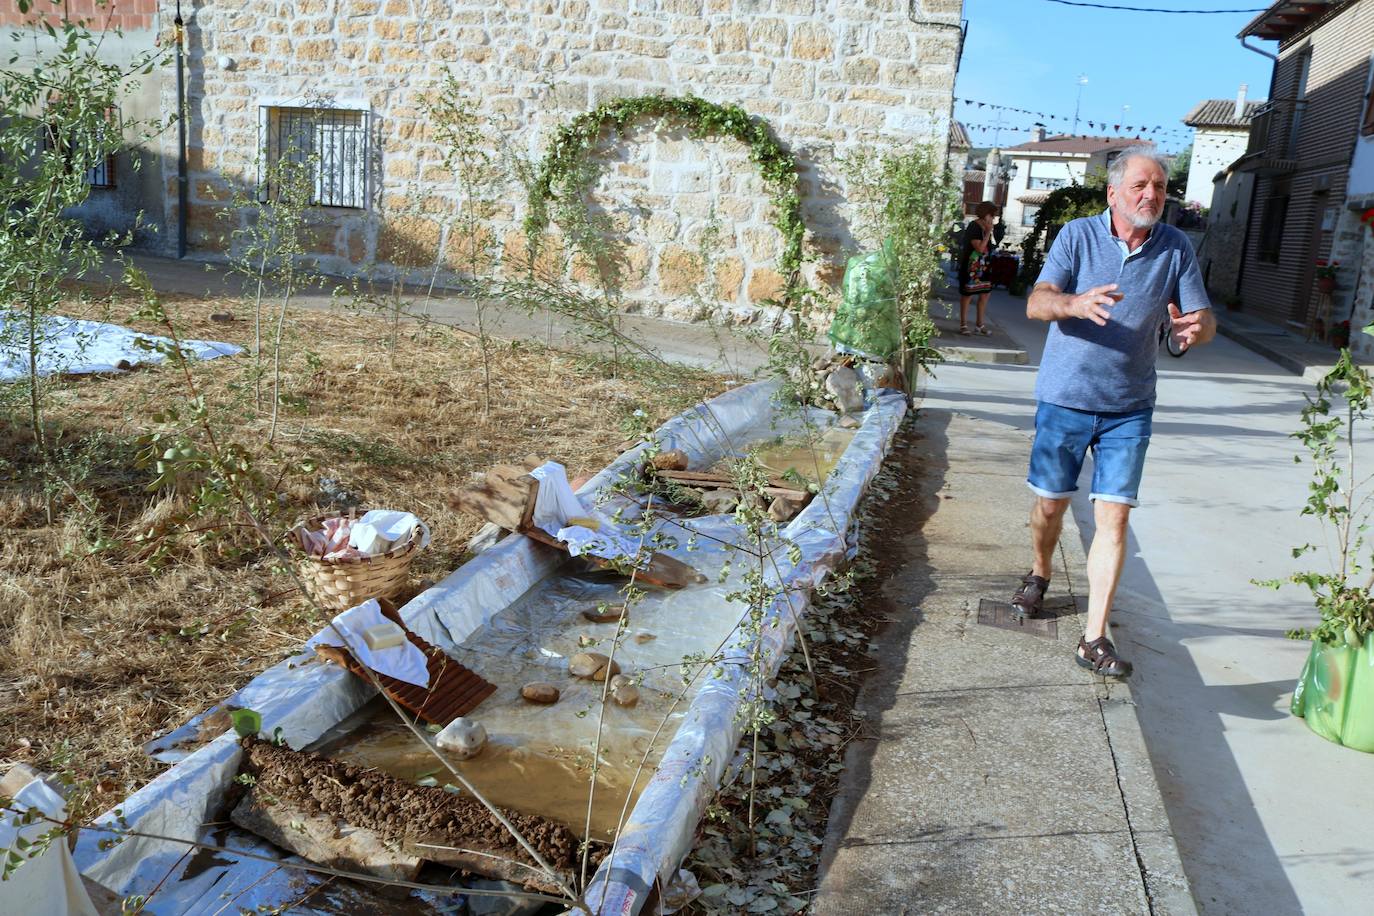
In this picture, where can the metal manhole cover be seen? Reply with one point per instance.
(999, 614)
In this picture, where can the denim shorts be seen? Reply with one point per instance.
(1063, 437)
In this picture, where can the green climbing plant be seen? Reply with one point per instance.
(565, 170)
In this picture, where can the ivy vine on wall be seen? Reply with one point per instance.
(562, 169)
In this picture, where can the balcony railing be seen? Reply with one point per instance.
(1274, 129)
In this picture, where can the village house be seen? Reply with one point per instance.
(1046, 163)
(345, 79)
(1221, 131)
(1308, 153)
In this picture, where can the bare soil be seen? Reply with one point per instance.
(399, 811)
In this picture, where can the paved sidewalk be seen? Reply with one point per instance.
(1000, 777)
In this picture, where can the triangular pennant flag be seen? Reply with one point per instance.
(1116, 127)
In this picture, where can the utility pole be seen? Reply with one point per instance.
(1082, 81)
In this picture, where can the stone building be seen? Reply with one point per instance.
(832, 78)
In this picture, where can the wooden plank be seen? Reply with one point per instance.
(777, 486)
(504, 497)
(453, 690)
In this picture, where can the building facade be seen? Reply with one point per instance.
(1221, 133)
(832, 78)
(126, 194)
(1301, 146)
(1046, 163)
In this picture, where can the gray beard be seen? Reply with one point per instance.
(1140, 221)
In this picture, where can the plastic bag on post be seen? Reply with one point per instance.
(866, 323)
(1335, 693)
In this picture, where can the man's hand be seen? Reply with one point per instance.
(1194, 328)
(1094, 304)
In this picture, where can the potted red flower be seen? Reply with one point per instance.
(1326, 275)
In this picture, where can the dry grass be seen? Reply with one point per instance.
(99, 653)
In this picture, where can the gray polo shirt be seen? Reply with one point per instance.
(1111, 369)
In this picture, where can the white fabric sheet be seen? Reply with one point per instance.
(77, 347)
(404, 662)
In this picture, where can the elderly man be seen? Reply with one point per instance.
(1111, 285)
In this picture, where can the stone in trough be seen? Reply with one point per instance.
(719, 502)
(463, 737)
(783, 508)
(675, 460)
(843, 385)
(540, 692)
(592, 666)
(623, 691)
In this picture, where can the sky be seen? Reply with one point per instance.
(1029, 54)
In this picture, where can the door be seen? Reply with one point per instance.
(1305, 296)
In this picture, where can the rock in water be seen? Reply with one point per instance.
(592, 665)
(623, 691)
(843, 385)
(849, 421)
(540, 692)
(463, 737)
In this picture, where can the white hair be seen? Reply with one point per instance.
(1117, 170)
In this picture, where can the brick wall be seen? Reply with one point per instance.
(126, 15)
(830, 77)
(1339, 48)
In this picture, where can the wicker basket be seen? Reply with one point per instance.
(345, 583)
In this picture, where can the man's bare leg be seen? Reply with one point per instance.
(1105, 559)
(1046, 522)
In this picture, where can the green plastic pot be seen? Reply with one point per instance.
(1335, 693)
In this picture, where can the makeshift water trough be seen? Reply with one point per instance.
(517, 614)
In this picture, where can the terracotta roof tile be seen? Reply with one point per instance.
(1067, 143)
(1220, 113)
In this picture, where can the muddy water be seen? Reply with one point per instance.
(552, 782)
(538, 760)
(811, 456)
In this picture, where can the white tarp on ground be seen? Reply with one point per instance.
(306, 699)
(72, 346)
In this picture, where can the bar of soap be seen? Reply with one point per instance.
(384, 636)
(583, 521)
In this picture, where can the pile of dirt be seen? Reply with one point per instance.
(400, 811)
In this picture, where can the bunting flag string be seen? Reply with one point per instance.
(1157, 129)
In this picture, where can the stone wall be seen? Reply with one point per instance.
(1353, 247)
(831, 77)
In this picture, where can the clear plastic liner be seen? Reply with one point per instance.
(507, 616)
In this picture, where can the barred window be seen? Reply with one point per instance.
(100, 173)
(332, 142)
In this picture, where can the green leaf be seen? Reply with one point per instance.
(246, 722)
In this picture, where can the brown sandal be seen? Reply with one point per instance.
(1029, 599)
(1100, 655)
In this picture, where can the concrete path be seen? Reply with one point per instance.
(741, 351)
(1268, 818)
(998, 776)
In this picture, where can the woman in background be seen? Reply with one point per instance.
(973, 267)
